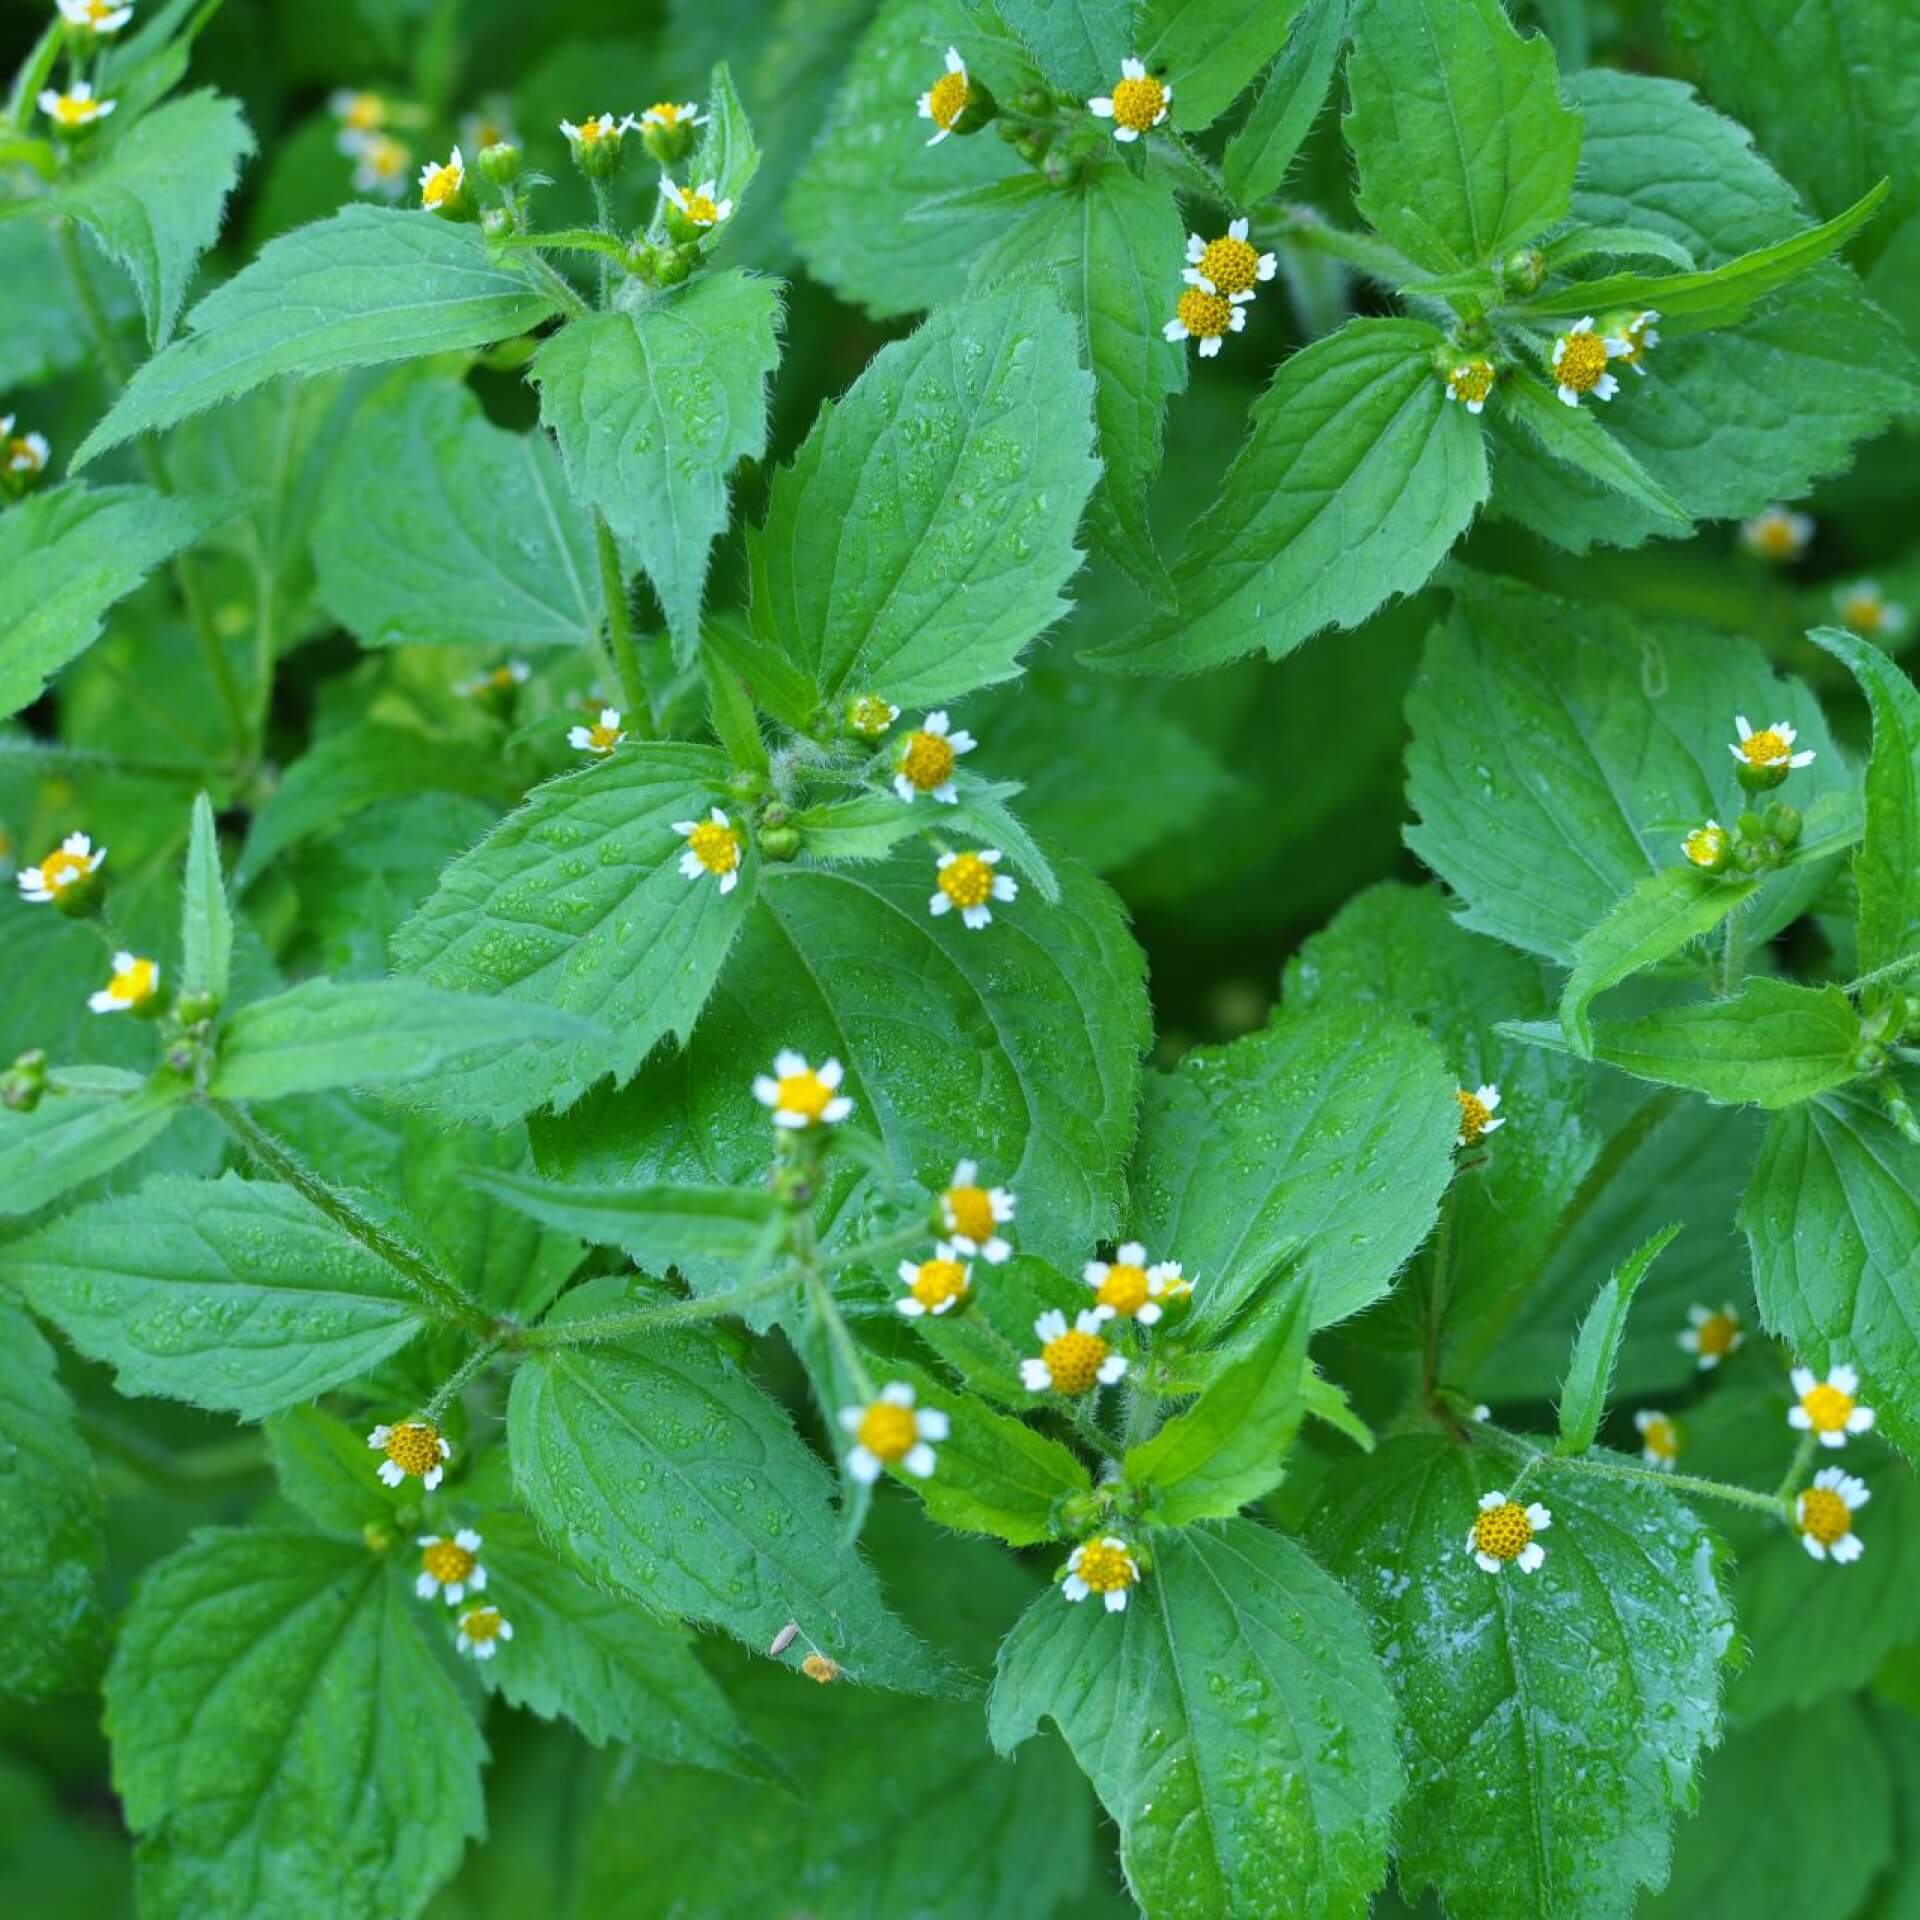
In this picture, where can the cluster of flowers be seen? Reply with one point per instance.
(76, 109)
(1579, 360)
(66, 881)
(1762, 760)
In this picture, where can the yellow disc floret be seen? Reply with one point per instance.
(1106, 1568)
(939, 1281)
(717, 848)
(888, 1431)
(1470, 381)
(1828, 1409)
(947, 100)
(441, 185)
(1707, 846)
(1502, 1532)
(1231, 265)
(967, 881)
(482, 1624)
(1717, 1336)
(969, 1212)
(1139, 102)
(447, 1560)
(870, 715)
(926, 760)
(1124, 1290)
(1581, 361)
(1475, 1116)
(700, 208)
(1824, 1516)
(804, 1093)
(1073, 1361)
(414, 1447)
(1206, 316)
(62, 869)
(1767, 748)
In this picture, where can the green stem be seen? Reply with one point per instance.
(1732, 955)
(1540, 1459)
(424, 1279)
(636, 707)
(884, 1248)
(470, 1366)
(603, 213)
(1303, 227)
(1797, 1471)
(1893, 970)
(553, 283)
(611, 1326)
(1437, 1291)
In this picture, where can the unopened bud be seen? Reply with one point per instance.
(23, 1083)
(779, 843)
(1524, 270)
(500, 163)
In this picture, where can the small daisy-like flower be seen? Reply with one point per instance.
(800, 1095)
(1868, 612)
(1659, 1438)
(491, 126)
(870, 716)
(72, 863)
(674, 118)
(26, 454)
(923, 762)
(381, 165)
(482, 1630)
(935, 1286)
(892, 1432)
(104, 17)
(1476, 1114)
(75, 110)
(1708, 847)
(1228, 265)
(360, 113)
(698, 208)
(1580, 359)
(1072, 1359)
(1824, 1514)
(133, 986)
(1777, 533)
(602, 737)
(1712, 1333)
(1126, 1288)
(1503, 1530)
(968, 881)
(1638, 335)
(1105, 1566)
(946, 100)
(442, 184)
(1828, 1407)
(1206, 318)
(502, 679)
(713, 846)
(450, 1566)
(1138, 104)
(596, 130)
(415, 1449)
(1770, 751)
(973, 1215)
(1469, 382)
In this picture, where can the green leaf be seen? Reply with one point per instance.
(653, 409)
(921, 536)
(42, 330)
(369, 285)
(1230, 1446)
(1264, 146)
(1463, 144)
(284, 1738)
(1355, 479)
(226, 1293)
(1233, 1721)
(74, 1136)
(985, 1344)
(1832, 1217)
(727, 154)
(155, 199)
(661, 1227)
(51, 1524)
(1326, 1139)
(67, 556)
(206, 920)
(327, 1033)
(668, 1475)
(1079, 44)
(1543, 1776)
(1617, 243)
(321, 1464)
(1583, 1397)
(1210, 50)
(1575, 436)
(576, 903)
(441, 529)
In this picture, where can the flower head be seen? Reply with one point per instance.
(1105, 1566)
(23, 456)
(415, 1449)
(1638, 336)
(71, 864)
(1709, 847)
(1765, 758)
(597, 130)
(1868, 612)
(967, 881)
(672, 117)
(482, 1631)
(1824, 1514)
(75, 110)
(697, 207)
(946, 100)
(892, 1432)
(133, 988)
(602, 737)
(1777, 533)
(1580, 359)
(1072, 1359)
(450, 1566)
(102, 17)
(935, 1286)
(1712, 1333)
(1138, 103)
(381, 165)
(1477, 1111)
(1127, 1288)
(1470, 381)
(870, 716)
(360, 113)
(713, 846)
(800, 1095)
(443, 184)
(1659, 1437)
(499, 681)
(1207, 318)
(1828, 1407)
(973, 1215)
(923, 761)
(1503, 1530)
(1229, 265)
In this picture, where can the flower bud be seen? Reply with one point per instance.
(500, 163)
(1523, 271)
(1784, 823)
(779, 843)
(23, 1083)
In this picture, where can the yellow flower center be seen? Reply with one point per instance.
(1106, 1569)
(444, 184)
(1634, 333)
(503, 678)
(1661, 1438)
(967, 881)
(1766, 748)
(803, 1093)
(665, 113)
(1773, 535)
(365, 112)
(970, 1211)
(61, 869)
(700, 209)
(23, 456)
(947, 100)
(1502, 1532)
(1205, 315)
(888, 1432)
(1827, 1407)
(1706, 846)
(98, 10)
(134, 984)
(1124, 1289)
(870, 715)
(1717, 1334)
(1074, 1361)
(414, 1447)
(717, 848)
(71, 111)
(1232, 265)
(1472, 380)
(387, 157)
(482, 1624)
(602, 738)
(1583, 359)
(1474, 1115)
(1825, 1516)
(595, 129)
(1865, 613)
(448, 1561)
(927, 760)
(1139, 103)
(939, 1281)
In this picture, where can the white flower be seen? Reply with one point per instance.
(1828, 1408)
(713, 846)
(1640, 337)
(415, 1448)
(800, 1096)
(672, 116)
(96, 16)
(924, 760)
(482, 1629)
(1229, 265)
(1129, 1289)
(76, 859)
(1470, 381)
(698, 208)
(1777, 533)
(134, 983)
(968, 881)
(1105, 1566)
(1207, 318)
(1711, 1335)
(1138, 103)
(1865, 609)
(502, 680)
(595, 128)
(945, 101)
(442, 184)
(1071, 1359)
(1770, 747)
(1476, 1114)
(27, 454)
(1659, 1438)
(892, 1432)
(1824, 1514)
(381, 164)
(1580, 359)
(1503, 1530)
(935, 1286)
(972, 1214)
(76, 109)
(450, 1567)
(602, 737)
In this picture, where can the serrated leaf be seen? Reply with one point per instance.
(284, 1738)
(1234, 1723)
(1210, 50)
(321, 1464)
(985, 1344)
(653, 408)
(1574, 436)
(1457, 126)
(921, 536)
(369, 285)
(1078, 44)
(1264, 146)
(74, 1136)
(1583, 1396)
(226, 1293)
(441, 529)
(660, 1227)
(206, 920)
(1544, 1776)
(727, 154)
(1355, 479)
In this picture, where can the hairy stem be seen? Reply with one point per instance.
(466, 1370)
(635, 705)
(611, 1326)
